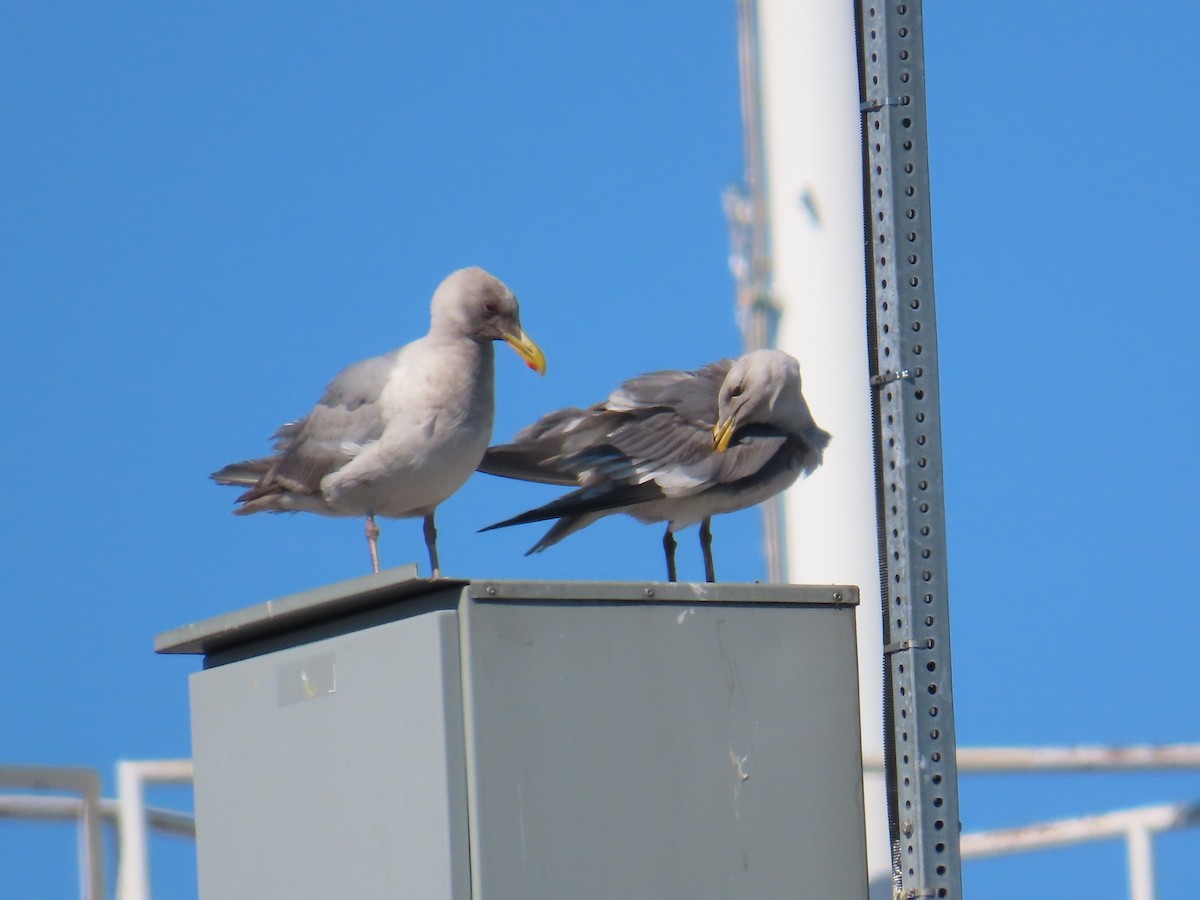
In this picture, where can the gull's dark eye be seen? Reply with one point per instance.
(490, 308)
(737, 391)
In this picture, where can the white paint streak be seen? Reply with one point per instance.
(739, 763)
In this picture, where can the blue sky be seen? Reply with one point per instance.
(207, 212)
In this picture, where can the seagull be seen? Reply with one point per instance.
(671, 446)
(397, 434)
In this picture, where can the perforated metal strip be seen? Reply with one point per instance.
(919, 716)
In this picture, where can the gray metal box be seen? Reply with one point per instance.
(403, 738)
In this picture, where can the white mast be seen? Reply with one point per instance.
(806, 188)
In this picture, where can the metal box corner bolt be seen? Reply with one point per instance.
(396, 737)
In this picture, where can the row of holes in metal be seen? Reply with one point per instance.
(920, 417)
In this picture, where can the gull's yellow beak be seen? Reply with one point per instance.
(527, 350)
(722, 434)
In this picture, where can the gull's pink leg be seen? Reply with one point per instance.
(372, 542)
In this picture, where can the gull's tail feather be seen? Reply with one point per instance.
(525, 464)
(564, 527)
(584, 501)
(246, 473)
(265, 492)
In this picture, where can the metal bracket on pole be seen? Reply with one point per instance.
(876, 105)
(919, 747)
(901, 646)
(889, 376)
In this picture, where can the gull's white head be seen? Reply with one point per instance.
(763, 387)
(475, 304)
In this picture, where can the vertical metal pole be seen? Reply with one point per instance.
(91, 836)
(1141, 863)
(918, 710)
(133, 868)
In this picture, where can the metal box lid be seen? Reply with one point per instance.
(356, 595)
